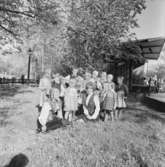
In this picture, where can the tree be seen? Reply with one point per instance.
(15, 12)
(34, 25)
(98, 29)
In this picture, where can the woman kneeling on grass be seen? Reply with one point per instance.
(91, 103)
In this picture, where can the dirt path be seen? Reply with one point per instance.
(137, 139)
(18, 119)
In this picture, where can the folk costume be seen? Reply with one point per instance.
(122, 92)
(109, 100)
(91, 104)
(91, 107)
(70, 99)
(56, 102)
(45, 116)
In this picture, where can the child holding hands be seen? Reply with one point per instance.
(109, 102)
(70, 101)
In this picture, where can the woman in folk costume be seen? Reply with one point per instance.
(109, 102)
(44, 86)
(70, 101)
(122, 93)
(91, 103)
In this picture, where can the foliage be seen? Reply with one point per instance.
(36, 25)
(14, 12)
(94, 30)
(99, 27)
(131, 51)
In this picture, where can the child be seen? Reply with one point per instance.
(110, 81)
(56, 81)
(96, 81)
(103, 77)
(109, 101)
(56, 103)
(44, 115)
(44, 86)
(87, 79)
(103, 81)
(70, 101)
(62, 93)
(79, 83)
(74, 73)
(122, 92)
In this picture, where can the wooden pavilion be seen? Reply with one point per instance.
(149, 49)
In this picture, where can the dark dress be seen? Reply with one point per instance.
(122, 92)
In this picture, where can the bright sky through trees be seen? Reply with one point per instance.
(152, 20)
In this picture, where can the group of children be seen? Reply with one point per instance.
(84, 95)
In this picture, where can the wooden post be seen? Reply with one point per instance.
(29, 63)
(115, 71)
(130, 74)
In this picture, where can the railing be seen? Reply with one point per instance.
(5, 81)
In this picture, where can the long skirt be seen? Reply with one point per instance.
(121, 102)
(42, 98)
(45, 113)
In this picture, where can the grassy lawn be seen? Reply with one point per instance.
(137, 140)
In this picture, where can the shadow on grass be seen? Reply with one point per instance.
(5, 93)
(25, 91)
(9, 91)
(4, 114)
(143, 116)
(19, 160)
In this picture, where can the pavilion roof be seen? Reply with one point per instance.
(151, 48)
